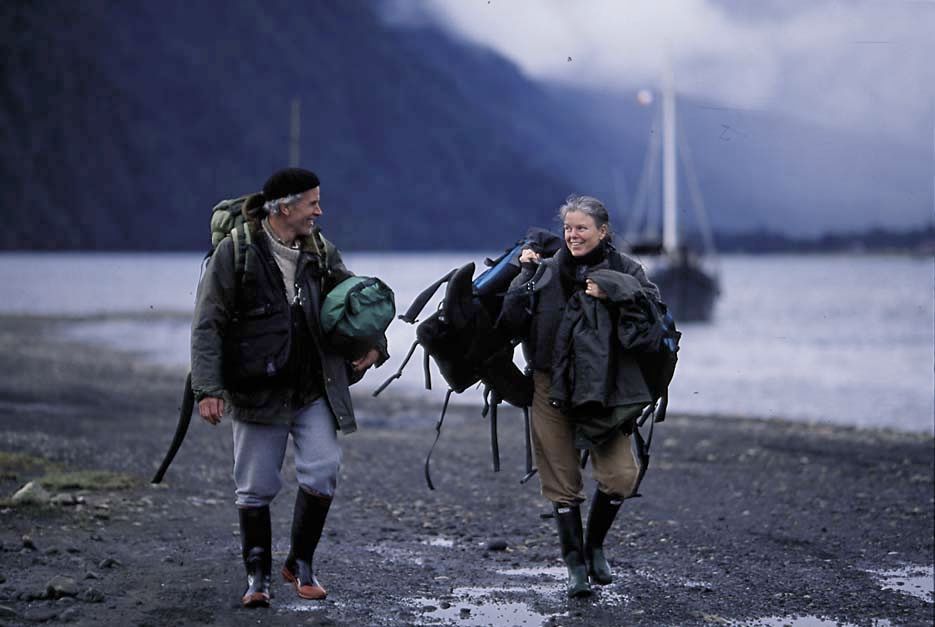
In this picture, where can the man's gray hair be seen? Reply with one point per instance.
(589, 206)
(272, 206)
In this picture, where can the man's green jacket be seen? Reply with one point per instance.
(227, 310)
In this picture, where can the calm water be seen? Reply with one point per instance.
(842, 339)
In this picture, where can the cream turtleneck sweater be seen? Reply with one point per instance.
(286, 258)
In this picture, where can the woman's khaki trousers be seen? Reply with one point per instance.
(553, 437)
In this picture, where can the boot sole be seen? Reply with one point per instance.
(257, 599)
(316, 593)
(580, 594)
(600, 582)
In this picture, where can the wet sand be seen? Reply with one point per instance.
(741, 521)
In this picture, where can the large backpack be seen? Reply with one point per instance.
(465, 343)
(229, 218)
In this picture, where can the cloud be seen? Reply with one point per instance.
(858, 65)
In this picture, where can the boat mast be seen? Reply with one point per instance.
(669, 175)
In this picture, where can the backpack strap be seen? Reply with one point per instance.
(527, 433)
(438, 434)
(613, 258)
(242, 236)
(641, 444)
(491, 402)
(423, 298)
(399, 372)
(320, 244)
(494, 441)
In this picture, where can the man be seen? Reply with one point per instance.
(258, 355)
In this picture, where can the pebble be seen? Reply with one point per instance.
(28, 543)
(108, 563)
(41, 614)
(7, 612)
(91, 575)
(497, 545)
(60, 586)
(92, 595)
(65, 498)
(31, 493)
(465, 612)
(35, 595)
(69, 615)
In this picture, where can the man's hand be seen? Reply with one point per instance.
(211, 409)
(366, 361)
(593, 289)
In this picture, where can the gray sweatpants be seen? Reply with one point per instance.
(259, 451)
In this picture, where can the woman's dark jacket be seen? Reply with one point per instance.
(592, 362)
(265, 357)
(553, 324)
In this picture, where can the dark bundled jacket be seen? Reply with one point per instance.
(535, 316)
(223, 319)
(593, 362)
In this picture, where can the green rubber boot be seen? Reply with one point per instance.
(604, 509)
(570, 535)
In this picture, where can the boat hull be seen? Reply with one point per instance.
(688, 289)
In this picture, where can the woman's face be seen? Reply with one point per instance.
(581, 233)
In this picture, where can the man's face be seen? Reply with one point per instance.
(303, 213)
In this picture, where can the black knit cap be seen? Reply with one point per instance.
(289, 181)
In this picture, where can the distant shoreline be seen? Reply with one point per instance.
(395, 401)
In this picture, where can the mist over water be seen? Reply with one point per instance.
(838, 339)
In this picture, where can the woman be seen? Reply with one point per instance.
(587, 267)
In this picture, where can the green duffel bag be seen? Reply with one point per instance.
(356, 313)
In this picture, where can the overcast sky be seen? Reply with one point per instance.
(867, 65)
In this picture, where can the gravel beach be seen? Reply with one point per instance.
(741, 522)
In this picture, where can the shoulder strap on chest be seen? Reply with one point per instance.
(243, 238)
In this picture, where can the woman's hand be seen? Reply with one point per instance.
(366, 361)
(529, 254)
(593, 289)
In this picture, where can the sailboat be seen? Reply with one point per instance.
(688, 278)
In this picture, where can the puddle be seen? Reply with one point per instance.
(550, 572)
(298, 606)
(476, 607)
(917, 581)
(555, 589)
(802, 621)
(668, 580)
(440, 541)
(396, 554)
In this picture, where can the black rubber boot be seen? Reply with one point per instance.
(603, 511)
(255, 542)
(568, 519)
(308, 520)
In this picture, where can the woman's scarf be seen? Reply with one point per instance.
(569, 266)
